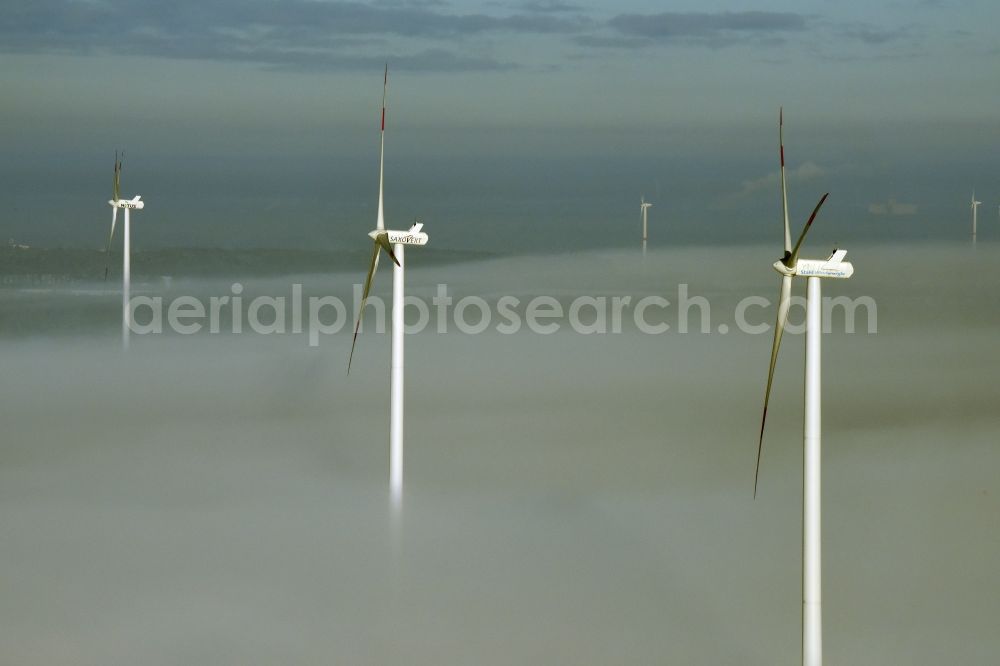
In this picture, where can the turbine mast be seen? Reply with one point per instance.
(393, 242)
(789, 267)
(126, 280)
(396, 385)
(975, 209)
(117, 202)
(812, 586)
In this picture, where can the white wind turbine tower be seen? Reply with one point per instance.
(643, 212)
(790, 266)
(393, 243)
(117, 202)
(974, 205)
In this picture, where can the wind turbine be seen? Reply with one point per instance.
(975, 207)
(393, 243)
(117, 202)
(643, 212)
(790, 266)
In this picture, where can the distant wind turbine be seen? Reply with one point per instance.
(393, 243)
(644, 214)
(974, 205)
(790, 266)
(117, 202)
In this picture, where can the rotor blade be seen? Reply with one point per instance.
(364, 300)
(784, 191)
(383, 240)
(380, 219)
(107, 251)
(805, 230)
(115, 191)
(784, 297)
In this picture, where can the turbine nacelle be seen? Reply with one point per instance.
(136, 203)
(414, 236)
(833, 266)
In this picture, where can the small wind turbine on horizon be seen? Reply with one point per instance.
(974, 205)
(644, 207)
(393, 242)
(790, 266)
(117, 202)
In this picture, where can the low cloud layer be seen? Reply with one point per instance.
(223, 500)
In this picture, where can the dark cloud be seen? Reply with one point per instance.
(548, 6)
(875, 36)
(410, 3)
(609, 42)
(632, 31)
(427, 60)
(288, 33)
(700, 25)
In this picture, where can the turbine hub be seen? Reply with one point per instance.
(783, 268)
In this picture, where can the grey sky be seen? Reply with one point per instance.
(276, 101)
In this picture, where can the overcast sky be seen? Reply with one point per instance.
(256, 106)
